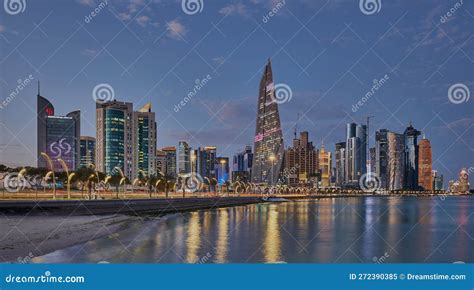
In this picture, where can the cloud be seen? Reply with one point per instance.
(142, 20)
(87, 2)
(234, 9)
(89, 52)
(2, 28)
(176, 30)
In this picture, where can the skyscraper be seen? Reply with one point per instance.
(356, 153)
(114, 141)
(437, 181)
(396, 161)
(160, 162)
(242, 165)
(170, 161)
(301, 161)
(183, 158)
(268, 146)
(87, 151)
(144, 135)
(381, 157)
(57, 136)
(204, 161)
(325, 166)
(411, 158)
(340, 156)
(425, 166)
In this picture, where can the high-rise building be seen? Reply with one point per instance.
(373, 155)
(114, 138)
(301, 161)
(396, 161)
(170, 160)
(425, 165)
(242, 165)
(325, 166)
(356, 153)
(340, 156)
(381, 158)
(222, 169)
(411, 158)
(462, 185)
(438, 181)
(183, 158)
(57, 136)
(87, 151)
(160, 159)
(268, 146)
(144, 136)
(204, 160)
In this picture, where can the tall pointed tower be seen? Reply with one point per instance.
(268, 146)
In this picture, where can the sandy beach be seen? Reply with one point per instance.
(23, 238)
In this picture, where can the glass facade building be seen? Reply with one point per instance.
(87, 149)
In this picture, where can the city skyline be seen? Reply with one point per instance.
(412, 91)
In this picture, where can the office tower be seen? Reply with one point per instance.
(437, 181)
(160, 159)
(356, 153)
(183, 158)
(144, 136)
(381, 157)
(204, 160)
(268, 146)
(463, 181)
(57, 136)
(170, 160)
(425, 177)
(361, 134)
(242, 165)
(301, 161)
(87, 151)
(411, 158)
(222, 169)
(325, 166)
(114, 141)
(340, 155)
(373, 155)
(396, 160)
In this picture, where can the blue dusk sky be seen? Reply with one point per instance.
(327, 52)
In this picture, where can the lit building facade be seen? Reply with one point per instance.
(268, 142)
(325, 166)
(438, 181)
(160, 159)
(57, 136)
(381, 157)
(204, 161)
(183, 158)
(242, 165)
(170, 160)
(114, 141)
(301, 161)
(356, 153)
(144, 136)
(340, 156)
(396, 161)
(87, 149)
(411, 158)
(425, 166)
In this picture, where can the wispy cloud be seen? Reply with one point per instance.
(176, 30)
(234, 9)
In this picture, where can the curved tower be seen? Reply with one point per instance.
(268, 142)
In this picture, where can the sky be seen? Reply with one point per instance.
(328, 53)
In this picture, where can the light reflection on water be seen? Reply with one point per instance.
(333, 230)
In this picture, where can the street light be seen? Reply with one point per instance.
(51, 167)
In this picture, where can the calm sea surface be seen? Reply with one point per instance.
(333, 230)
